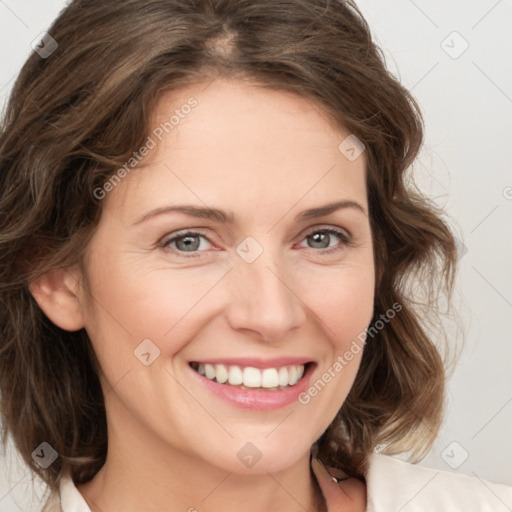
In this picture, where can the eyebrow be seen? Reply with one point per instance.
(223, 217)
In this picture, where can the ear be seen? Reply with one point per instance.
(56, 292)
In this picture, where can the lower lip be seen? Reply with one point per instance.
(258, 399)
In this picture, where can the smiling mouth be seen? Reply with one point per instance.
(251, 378)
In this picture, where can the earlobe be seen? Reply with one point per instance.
(56, 292)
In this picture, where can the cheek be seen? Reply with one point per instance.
(343, 301)
(343, 304)
(347, 312)
(133, 303)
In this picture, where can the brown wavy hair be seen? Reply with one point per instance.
(76, 117)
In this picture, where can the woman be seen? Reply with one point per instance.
(208, 261)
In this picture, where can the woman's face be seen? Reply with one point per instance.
(261, 282)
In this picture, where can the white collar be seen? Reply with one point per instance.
(391, 485)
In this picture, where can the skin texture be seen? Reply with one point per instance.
(264, 156)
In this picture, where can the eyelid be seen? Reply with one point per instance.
(171, 237)
(326, 227)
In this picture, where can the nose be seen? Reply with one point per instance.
(265, 299)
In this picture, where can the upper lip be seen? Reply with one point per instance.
(274, 362)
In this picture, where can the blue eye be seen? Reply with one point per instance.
(189, 241)
(322, 238)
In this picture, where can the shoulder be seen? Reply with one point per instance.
(395, 484)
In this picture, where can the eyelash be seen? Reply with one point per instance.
(346, 240)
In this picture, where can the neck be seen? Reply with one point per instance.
(142, 473)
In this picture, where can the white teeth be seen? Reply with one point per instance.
(221, 373)
(283, 376)
(269, 378)
(299, 374)
(292, 375)
(250, 377)
(235, 375)
(209, 371)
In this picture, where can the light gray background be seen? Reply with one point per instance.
(466, 166)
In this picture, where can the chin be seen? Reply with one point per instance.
(253, 457)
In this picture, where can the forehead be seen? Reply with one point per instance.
(228, 109)
(243, 144)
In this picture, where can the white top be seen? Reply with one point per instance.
(391, 485)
